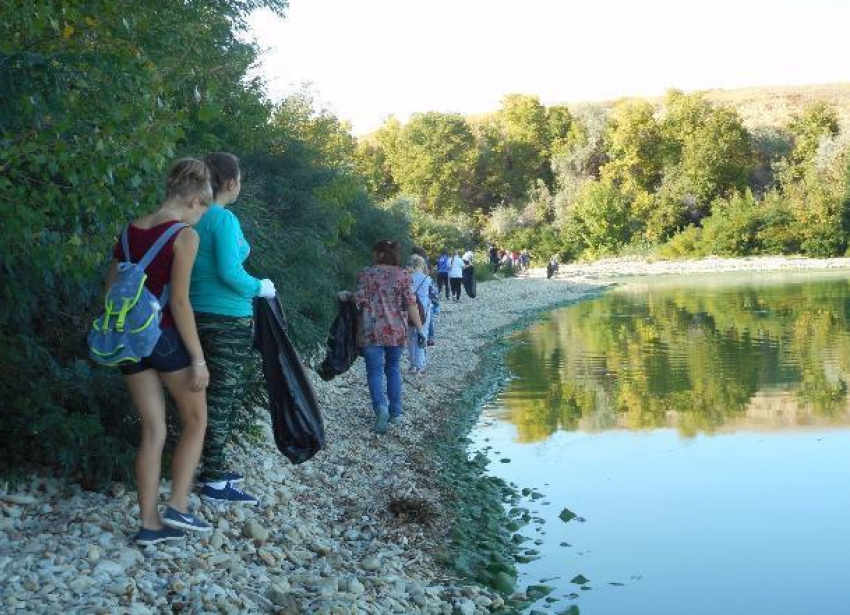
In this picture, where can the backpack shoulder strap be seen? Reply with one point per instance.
(160, 243)
(125, 244)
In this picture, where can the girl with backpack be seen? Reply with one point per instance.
(177, 360)
(222, 295)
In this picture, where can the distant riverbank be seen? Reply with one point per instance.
(628, 266)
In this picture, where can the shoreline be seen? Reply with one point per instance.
(640, 266)
(361, 528)
(354, 530)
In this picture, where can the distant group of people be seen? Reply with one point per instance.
(520, 260)
(453, 272)
(398, 307)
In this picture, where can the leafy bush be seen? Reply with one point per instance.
(733, 227)
(436, 234)
(96, 101)
(601, 217)
(686, 244)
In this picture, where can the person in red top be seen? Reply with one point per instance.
(385, 298)
(177, 361)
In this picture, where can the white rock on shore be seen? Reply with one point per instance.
(324, 540)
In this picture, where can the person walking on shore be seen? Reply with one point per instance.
(456, 275)
(385, 298)
(524, 260)
(552, 267)
(493, 254)
(177, 360)
(443, 273)
(421, 284)
(222, 296)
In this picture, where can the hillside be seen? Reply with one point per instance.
(764, 106)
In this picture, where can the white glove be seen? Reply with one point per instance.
(267, 290)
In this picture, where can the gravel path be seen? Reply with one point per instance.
(324, 539)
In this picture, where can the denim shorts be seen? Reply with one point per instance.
(169, 355)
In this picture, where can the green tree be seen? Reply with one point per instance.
(434, 159)
(559, 121)
(491, 184)
(601, 217)
(331, 142)
(635, 147)
(708, 154)
(817, 120)
(372, 164)
(525, 130)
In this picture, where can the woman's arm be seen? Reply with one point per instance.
(413, 314)
(185, 249)
(228, 260)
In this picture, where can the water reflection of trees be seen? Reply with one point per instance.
(689, 358)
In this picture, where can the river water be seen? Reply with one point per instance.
(699, 430)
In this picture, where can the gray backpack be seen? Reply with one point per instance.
(128, 329)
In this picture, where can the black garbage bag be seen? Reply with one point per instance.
(469, 281)
(299, 431)
(342, 342)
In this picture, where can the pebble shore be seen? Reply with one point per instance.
(328, 536)
(626, 267)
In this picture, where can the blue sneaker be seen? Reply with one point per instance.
(145, 537)
(184, 521)
(383, 416)
(227, 495)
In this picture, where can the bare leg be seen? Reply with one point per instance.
(193, 415)
(146, 392)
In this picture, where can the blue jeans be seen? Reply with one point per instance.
(384, 361)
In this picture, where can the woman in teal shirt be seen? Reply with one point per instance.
(222, 295)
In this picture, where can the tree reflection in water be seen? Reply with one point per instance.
(693, 358)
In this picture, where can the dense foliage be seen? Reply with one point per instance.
(97, 97)
(685, 177)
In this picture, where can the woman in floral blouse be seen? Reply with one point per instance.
(385, 298)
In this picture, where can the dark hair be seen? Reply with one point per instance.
(419, 251)
(387, 252)
(187, 177)
(223, 168)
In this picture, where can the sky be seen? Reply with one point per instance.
(368, 59)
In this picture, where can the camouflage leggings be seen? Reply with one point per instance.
(227, 350)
